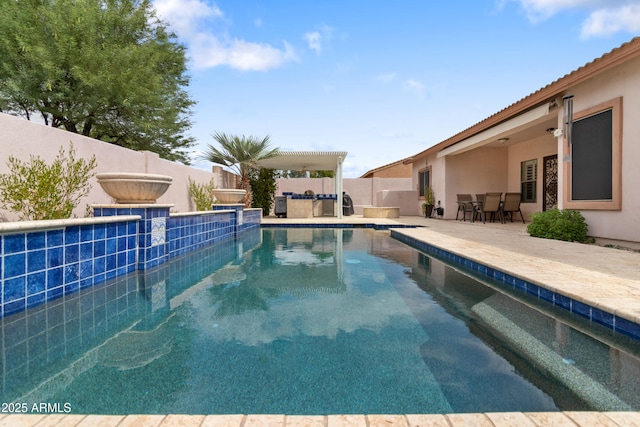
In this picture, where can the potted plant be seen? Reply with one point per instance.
(429, 201)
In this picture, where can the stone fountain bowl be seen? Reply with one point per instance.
(139, 188)
(229, 195)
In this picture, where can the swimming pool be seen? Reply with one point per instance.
(311, 321)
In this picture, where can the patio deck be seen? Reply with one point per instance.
(608, 278)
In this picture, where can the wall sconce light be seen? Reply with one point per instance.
(550, 130)
(503, 140)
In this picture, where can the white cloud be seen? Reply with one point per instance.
(386, 77)
(414, 86)
(193, 21)
(606, 17)
(604, 22)
(317, 39)
(185, 15)
(313, 39)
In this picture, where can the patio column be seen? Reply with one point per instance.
(338, 185)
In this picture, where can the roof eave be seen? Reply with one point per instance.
(607, 61)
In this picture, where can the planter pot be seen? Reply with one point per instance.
(138, 188)
(428, 211)
(229, 195)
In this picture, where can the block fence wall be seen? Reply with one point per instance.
(44, 260)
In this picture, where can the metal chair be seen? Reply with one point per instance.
(492, 205)
(511, 204)
(465, 204)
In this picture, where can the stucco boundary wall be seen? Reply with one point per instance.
(46, 260)
(22, 139)
(378, 192)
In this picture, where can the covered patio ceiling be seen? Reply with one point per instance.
(310, 161)
(305, 160)
(528, 125)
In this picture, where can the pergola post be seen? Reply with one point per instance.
(338, 185)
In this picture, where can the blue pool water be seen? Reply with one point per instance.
(311, 321)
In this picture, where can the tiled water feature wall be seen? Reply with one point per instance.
(44, 260)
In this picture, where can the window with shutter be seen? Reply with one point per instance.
(528, 179)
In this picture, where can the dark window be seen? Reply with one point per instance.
(528, 179)
(424, 178)
(591, 157)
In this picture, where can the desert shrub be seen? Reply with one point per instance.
(567, 224)
(37, 190)
(201, 194)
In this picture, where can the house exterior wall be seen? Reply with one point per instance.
(537, 148)
(474, 172)
(21, 138)
(396, 170)
(498, 169)
(622, 81)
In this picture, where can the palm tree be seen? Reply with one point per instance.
(241, 154)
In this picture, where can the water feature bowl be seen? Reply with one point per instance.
(229, 195)
(138, 188)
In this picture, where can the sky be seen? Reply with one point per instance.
(380, 79)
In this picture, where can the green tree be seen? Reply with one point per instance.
(107, 69)
(263, 188)
(241, 154)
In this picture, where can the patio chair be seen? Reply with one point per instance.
(492, 206)
(512, 204)
(465, 204)
(478, 204)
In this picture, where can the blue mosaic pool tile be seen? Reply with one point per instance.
(14, 265)
(626, 327)
(531, 288)
(602, 317)
(621, 325)
(580, 308)
(55, 238)
(86, 269)
(14, 289)
(36, 240)
(99, 248)
(54, 277)
(36, 282)
(36, 299)
(54, 293)
(71, 273)
(562, 301)
(14, 307)
(520, 284)
(36, 260)
(99, 265)
(86, 233)
(86, 251)
(72, 235)
(546, 295)
(110, 261)
(71, 288)
(71, 253)
(112, 230)
(111, 245)
(99, 232)
(111, 274)
(14, 243)
(55, 257)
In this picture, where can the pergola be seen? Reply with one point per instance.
(311, 161)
